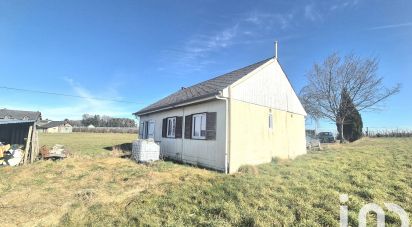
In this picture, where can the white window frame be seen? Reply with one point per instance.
(171, 122)
(201, 126)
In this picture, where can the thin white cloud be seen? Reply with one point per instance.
(193, 55)
(312, 13)
(343, 4)
(74, 108)
(270, 20)
(390, 26)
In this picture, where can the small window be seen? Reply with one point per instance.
(199, 126)
(25, 118)
(151, 130)
(148, 129)
(270, 121)
(171, 127)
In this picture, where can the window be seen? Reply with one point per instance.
(151, 130)
(147, 129)
(199, 126)
(270, 121)
(171, 127)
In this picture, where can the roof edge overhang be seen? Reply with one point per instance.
(196, 100)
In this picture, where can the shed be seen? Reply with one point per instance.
(22, 132)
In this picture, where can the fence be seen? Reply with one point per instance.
(106, 130)
(390, 133)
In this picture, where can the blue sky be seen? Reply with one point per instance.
(141, 51)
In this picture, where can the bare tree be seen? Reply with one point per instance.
(322, 97)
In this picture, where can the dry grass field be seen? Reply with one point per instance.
(95, 187)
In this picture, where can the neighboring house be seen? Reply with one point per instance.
(248, 116)
(20, 115)
(56, 127)
(91, 126)
(43, 122)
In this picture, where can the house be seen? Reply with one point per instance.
(247, 116)
(56, 127)
(20, 115)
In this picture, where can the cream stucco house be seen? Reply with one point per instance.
(56, 127)
(247, 116)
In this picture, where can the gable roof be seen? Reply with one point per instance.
(52, 124)
(20, 114)
(206, 89)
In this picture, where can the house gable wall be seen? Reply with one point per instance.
(268, 86)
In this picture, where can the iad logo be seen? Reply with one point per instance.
(372, 207)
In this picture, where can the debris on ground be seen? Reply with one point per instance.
(11, 155)
(56, 152)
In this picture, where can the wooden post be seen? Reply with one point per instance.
(33, 146)
(37, 144)
(28, 142)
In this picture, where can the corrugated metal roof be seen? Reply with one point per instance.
(202, 90)
(14, 121)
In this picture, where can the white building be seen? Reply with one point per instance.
(247, 116)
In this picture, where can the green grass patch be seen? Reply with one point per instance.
(106, 191)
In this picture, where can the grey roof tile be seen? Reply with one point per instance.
(202, 90)
(52, 124)
(20, 114)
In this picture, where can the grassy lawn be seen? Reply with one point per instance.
(86, 144)
(104, 190)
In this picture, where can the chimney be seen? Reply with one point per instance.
(276, 50)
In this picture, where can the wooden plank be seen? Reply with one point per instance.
(28, 143)
(33, 146)
(37, 144)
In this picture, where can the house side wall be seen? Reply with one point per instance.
(53, 130)
(251, 140)
(207, 153)
(58, 129)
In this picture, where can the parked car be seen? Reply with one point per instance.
(326, 137)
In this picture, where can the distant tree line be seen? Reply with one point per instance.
(102, 121)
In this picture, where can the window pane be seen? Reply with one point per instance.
(151, 129)
(173, 126)
(203, 117)
(270, 121)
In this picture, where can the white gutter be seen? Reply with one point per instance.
(227, 144)
(177, 105)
